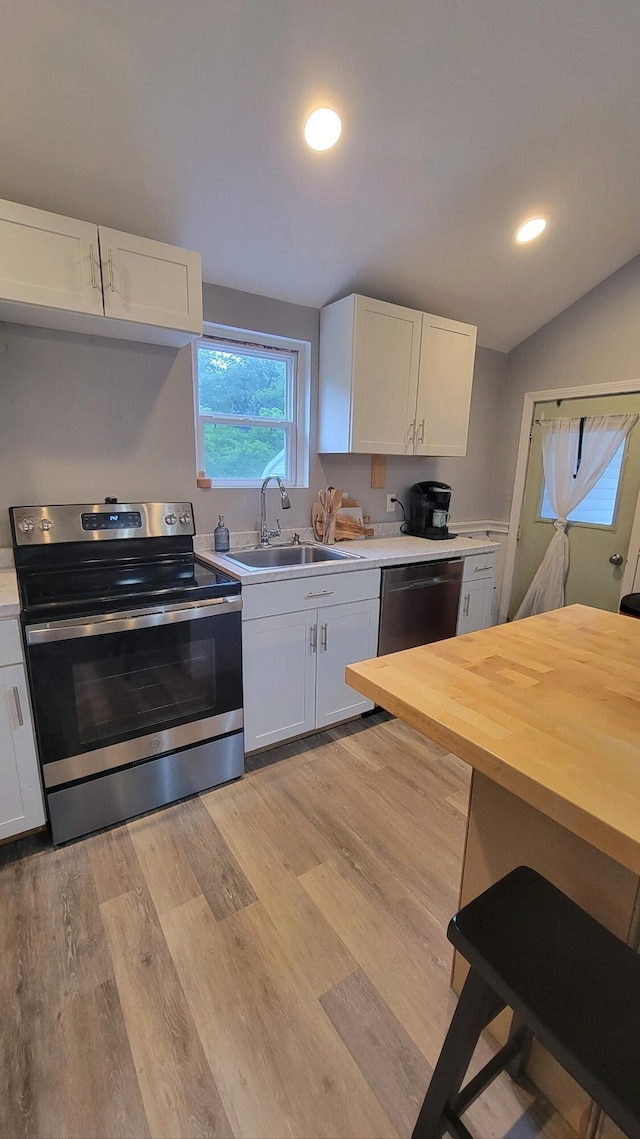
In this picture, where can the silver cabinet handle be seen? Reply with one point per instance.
(95, 284)
(420, 434)
(323, 637)
(481, 569)
(313, 638)
(322, 593)
(411, 435)
(467, 602)
(110, 264)
(16, 697)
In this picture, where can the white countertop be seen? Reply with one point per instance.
(373, 553)
(9, 598)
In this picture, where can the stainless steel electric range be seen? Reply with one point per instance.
(134, 654)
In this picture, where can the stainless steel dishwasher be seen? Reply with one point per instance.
(419, 604)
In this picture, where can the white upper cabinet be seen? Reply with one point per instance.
(46, 259)
(393, 381)
(150, 282)
(56, 272)
(369, 359)
(447, 355)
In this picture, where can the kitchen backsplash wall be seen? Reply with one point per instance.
(83, 417)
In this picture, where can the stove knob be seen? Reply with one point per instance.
(26, 525)
(46, 524)
(170, 519)
(185, 519)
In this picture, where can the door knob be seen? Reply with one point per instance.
(616, 559)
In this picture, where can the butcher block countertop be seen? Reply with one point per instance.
(547, 707)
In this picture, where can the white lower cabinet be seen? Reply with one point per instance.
(21, 802)
(346, 634)
(476, 601)
(477, 593)
(293, 667)
(279, 676)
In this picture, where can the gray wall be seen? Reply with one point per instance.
(596, 340)
(83, 417)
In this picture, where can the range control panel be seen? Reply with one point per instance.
(88, 522)
(114, 520)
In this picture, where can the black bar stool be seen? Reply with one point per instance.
(630, 604)
(571, 984)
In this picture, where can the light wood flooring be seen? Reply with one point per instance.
(266, 960)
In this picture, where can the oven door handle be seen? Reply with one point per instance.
(130, 621)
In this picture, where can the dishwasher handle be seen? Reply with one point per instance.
(425, 583)
(417, 575)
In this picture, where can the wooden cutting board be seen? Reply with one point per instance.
(349, 523)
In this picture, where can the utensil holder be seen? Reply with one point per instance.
(328, 528)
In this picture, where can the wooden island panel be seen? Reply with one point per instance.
(547, 707)
(547, 712)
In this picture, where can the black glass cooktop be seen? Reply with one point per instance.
(84, 590)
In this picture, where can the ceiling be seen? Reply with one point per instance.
(182, 120)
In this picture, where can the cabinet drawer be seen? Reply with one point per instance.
(10, 643)
(479, 566)
(313, 592)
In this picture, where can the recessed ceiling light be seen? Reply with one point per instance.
(531, 228)
(322, 129)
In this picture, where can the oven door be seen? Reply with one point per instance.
(115, 689)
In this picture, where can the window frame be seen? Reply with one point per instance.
(540, 517)
(297, 354)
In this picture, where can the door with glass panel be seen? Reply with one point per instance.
(599, 529)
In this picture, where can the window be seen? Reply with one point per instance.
(599, 506)
(251, 408)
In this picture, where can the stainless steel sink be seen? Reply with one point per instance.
(271, 557)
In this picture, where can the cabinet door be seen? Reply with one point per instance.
(149, 282)
(346, 634)
(279, 676)
(21, 803)
(385, 377)
(476, 600)
(49, 260)
(447, 356)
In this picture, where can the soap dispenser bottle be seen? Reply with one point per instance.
(221, 536)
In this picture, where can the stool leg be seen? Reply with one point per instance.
(517, 1066)
(477, 1006)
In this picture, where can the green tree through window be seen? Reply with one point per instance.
(245, 400)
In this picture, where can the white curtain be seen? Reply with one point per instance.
(601, 437)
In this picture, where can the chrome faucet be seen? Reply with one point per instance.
(265, 533)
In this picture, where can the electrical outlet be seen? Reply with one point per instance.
(391, 504)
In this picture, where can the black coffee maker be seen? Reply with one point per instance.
(429, 510)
